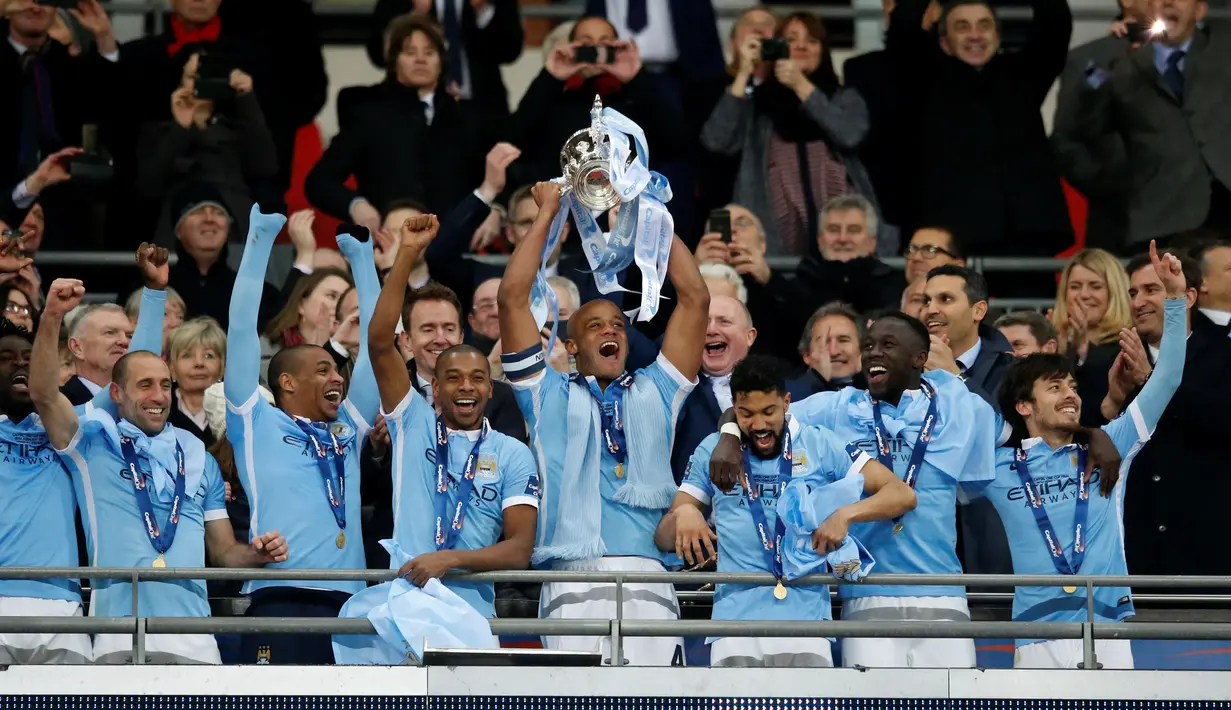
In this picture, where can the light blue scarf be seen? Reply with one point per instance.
(159, 451)
(804, 505)
(575, 533)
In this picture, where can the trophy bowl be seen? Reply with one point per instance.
(584, 163)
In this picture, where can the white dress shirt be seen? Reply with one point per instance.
(656, 41)
(721, 385)
(1222, 318)
(425, 386)
(967, 359)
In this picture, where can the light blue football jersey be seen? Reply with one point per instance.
(115, 531)
(543, 398)
(1055, 475)
(277, 463)
(813, 450)
(961, 452)
(506, 476)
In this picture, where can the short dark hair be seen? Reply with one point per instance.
(916, 325)
(431, 291)
(402, 29)
(403, 203)
(833, 308)
(957, 246)
(758, 373)
(1018, 385)
(10, 329)
(119, 371)
(461, 349)
(285, 360)
(1190, 267)
(975, 285)
(1041, 329)
(572, 33)
(1202, 250)
(942, 25)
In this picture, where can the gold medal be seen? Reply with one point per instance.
(1070, 590)
(779, 592)
(341, 540)
(160, 561)
(897, 528)
(619, 470)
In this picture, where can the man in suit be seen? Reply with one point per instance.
(1166, 100)
(728, 337)
(831, 346)
(1214, 296)
(97, 337)
(481, 36)
(962, 344)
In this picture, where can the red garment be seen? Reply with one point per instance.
(184, 36)
(603, 84)
(292, 337)
(826, 176)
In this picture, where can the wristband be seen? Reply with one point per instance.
(731, 428)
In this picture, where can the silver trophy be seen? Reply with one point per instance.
(585, 164)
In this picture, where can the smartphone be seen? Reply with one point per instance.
(213, 81)
(1137, 33)
(591, 54)
(720, 222)
(64, 4)
(774, 49)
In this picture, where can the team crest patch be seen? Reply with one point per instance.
(800, 460)
(340, 430)
(487, 466)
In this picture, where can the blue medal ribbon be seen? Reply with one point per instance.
(446, 536)
(611, 412)
(920, 449)
(770, 547)
(335, 478)
(160, 539)
(1035, 499)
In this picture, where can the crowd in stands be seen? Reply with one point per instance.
(260, 369)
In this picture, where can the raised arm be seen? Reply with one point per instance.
(355, 243)
(243, 342)
(59, 418)
(518, 330)
(392, 379)
(685, 337)
(148, 335)
(1047, 44)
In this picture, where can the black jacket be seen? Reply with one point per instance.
(874, 75)
(698, 419)
(210, 294)
(995, 356)
(76, 391)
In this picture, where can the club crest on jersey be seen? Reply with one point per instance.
(487, 466)
(340, 429)
(800, 460)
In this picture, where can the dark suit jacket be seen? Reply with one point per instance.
(1173, 146)
(76, 391)
(811, 382)
(500, 42)
(1095, 166)
(984, 377)
(695, 27)
(698, 419)
(874, 75)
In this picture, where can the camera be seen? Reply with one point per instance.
(213, 80)
(774, 49)
(590, 54)
(62, 4)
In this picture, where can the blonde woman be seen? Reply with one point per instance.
(198, 351)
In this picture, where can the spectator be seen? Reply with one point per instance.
(484, 318)
(728, 338)
(913, 300)
(171, 319)
(567, 295)
(559, 100)
(722, 280)
(201, 276)
(480, 36)
(344, 345)
(415, 142)
(1092, 308)
(1177, 479)
(1097, 166)
(197, 355)
(983, 166)
(396, 215)
(930, 247)
(831, 346)
(673, 35)
(797, 134)
(223, 144)
(308, 256)
(1028, 333)
(846, 270)
(1214, 297)
(52, 94)
(17, 308)
(308, 316)
(96, 339)
(1166, 103)
(746, 232)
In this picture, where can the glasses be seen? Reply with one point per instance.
(16, 309)
(928, 251)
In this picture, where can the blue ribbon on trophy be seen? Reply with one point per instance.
(600, 171)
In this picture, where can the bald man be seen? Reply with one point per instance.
(729, 335)
(484, 318)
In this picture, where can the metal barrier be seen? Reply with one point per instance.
(620, 627)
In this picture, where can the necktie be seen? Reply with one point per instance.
(427, 112)
(638, 17)
(1173, 75)
(453, 41)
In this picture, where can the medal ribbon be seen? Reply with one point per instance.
(447, 537)
(160, 540)
(611, 412)
(337, 503)
(771, 548)
(1035, 498)
(921, 444)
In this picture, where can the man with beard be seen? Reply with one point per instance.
(131, 469)
(1056, 526)
(299, 458)
(603, 439)
(775, 449)
(458, 485)
(728, 337)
